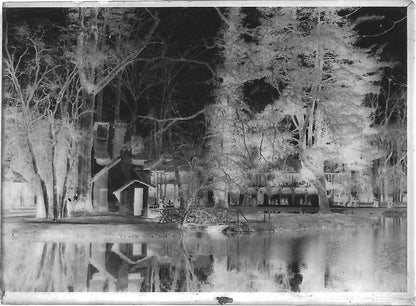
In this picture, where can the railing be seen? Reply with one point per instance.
(172, 215)
(241, 226)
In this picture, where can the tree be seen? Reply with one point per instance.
(99, 62)
(308, 56)
(390, 120)
(40, 112)
(231, 156)
(384, 31)
(327, 87)
(165, 91)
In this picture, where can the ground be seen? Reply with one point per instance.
(110, 227)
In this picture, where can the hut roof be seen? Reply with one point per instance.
(119, 190)
(106, 169)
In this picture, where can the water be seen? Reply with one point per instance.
(344, 260)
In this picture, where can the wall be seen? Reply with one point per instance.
(17, 195)
(100, 194)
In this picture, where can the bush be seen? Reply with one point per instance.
(81, 207)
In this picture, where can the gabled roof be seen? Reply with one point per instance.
(13, 176)
(119, 190)
(105, 169)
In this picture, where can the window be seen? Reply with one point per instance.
(102, 130)
(329, 177)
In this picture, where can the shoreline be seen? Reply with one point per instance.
(123, 228)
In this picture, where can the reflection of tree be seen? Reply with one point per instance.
(172, 269)
(178, 266)
(178, 275)
(60, 268)
(295, 278)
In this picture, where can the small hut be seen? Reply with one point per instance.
(133, 197)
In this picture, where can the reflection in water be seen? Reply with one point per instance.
(347, 260)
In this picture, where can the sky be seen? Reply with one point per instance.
(190, 28)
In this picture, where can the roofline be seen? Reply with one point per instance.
(105, 169)
(119, 190)
(131, 182)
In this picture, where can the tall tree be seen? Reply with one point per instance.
(231, 154)
(328, 78)
(91, 54)
(384, 31)
(308, 55)
(40, 101)
(390, 120)
(166, 88)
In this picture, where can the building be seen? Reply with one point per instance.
(120, 183)
(344, 187)
(169, 177)
(126, 182)
(17, 192)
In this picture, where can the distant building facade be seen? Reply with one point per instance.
(124, 181)
(17, 192)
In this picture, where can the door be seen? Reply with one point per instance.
(266, 200)
(138, 201)
(103, 200)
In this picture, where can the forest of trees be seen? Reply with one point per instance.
(317, 84)
(232, 91)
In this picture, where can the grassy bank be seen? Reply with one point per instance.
(293, 222)
(90, 229)
(110, 228)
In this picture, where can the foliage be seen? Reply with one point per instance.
(40, 113)
(308, 56)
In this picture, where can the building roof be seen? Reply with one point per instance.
(119, 190)
(105, 169)
(13, 176)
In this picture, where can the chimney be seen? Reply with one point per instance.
(101, 135)
(120, 129)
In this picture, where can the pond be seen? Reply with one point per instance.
(366, 260)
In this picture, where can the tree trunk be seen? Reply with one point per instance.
(100, 97)
(118, 99)
(180, 191)
(293, 198)
(85, 149)
(220, 191)
(381, 189)
(41, 180)
(386, 188)
(133, 118)
(320, 185)
(374, 180)
(63, 208)
(53, 169)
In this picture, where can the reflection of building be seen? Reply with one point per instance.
(133, 267)
(117, 267)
